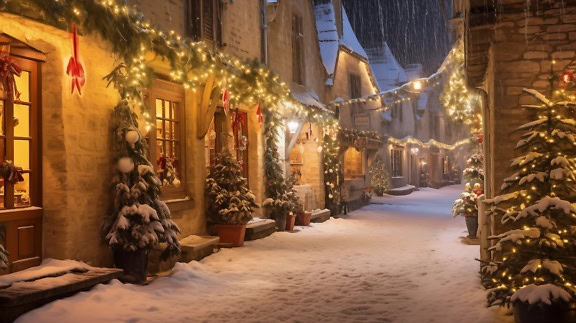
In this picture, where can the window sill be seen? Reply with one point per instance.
(20, 213)
(176, 205)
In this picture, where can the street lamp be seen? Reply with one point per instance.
(293, 126)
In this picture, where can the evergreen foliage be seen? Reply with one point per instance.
(537, 210)
(227, 195)
(139, 219)
(282, 200)
(380, 180)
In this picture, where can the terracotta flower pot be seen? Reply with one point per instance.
(231, 233)
(303, 218)
(558, 312)
(290, 221)
(133, 263)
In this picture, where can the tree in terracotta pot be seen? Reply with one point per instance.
(139, 220)
(467, 206)
(379, 178)
(230, 203)
(534, 268)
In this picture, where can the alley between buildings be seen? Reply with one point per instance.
(399, 259)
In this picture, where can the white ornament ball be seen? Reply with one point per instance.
(176, 182)
(320, 149)
(331, 170)
(132, 137)
(330, 196)
(125, 165)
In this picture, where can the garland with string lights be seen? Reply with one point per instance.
(537, 210)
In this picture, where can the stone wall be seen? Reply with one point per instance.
(526, 50)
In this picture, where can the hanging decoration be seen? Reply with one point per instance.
(75, 69)
(8, 71)
(259, 115)
(10, 173)
(566, 78)
(226, 101)
(167, 171)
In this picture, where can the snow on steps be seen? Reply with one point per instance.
(52, 280)
(259, 228)
(319, 216)
(193, 247)
(404, 190)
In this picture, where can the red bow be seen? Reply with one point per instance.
(9, 69)
(75, 69)
(259, 114)
(226, 101)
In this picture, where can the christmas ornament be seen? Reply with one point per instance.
(320, 149)
(75, 68)
(125, 165)
(567, 77)
(259, 115)
(132, 137)
(226, 101)
(8, 71)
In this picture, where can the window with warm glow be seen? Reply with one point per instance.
(19, 140)
(353, 164)
(166, 139)
(213, 141)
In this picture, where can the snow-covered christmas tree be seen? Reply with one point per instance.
(139, 219)
(227, 194)
(380, 180)
(534, 257)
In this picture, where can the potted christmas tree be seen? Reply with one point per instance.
(230, 202)
(139, 219)
(380, 179)
(534, 258)
(282, 201)
(467, 206)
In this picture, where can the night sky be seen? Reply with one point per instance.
(415, 30)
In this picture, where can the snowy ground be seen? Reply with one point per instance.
(399, 260)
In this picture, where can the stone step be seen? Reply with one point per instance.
(22, 297)
(197, 247)
(259, 229)
(320, 216)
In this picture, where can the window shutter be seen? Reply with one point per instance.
(194, 14)
(219, 11)
(208, 19)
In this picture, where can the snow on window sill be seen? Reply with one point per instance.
(176, 205)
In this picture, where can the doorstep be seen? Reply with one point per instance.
(22, 297)
(193, 247)
(319, 216)
(404, 190)
(197, 247)
(259, 228)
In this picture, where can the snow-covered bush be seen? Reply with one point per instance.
(534, 259)
(139, 219)
(227, 195)
(286, 204)
(3, 252)
(380, 180)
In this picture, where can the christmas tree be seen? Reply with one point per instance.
(282, 200)
(139, 219)
(228, 197)
(535, 255)
(474, 172)
(380, 180)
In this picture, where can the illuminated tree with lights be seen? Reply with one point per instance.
(458, 101)
(536, 208)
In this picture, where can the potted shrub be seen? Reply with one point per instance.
(139, 219)
(379, 178)
(283, 209)
(467, 207)
(230, 203)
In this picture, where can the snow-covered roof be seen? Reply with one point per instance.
(349, 39)
(327, 35)
(329, 39)
(308, 98)
(389, 73)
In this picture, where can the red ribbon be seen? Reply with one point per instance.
(259, 114)
(75, 69)
(226, 101)
(8, 70)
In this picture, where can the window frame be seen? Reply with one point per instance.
(34, 171)
(195, 24)
(173, 92)
(298, 62)
(396, 160)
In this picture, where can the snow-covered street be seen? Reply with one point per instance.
(398, 260)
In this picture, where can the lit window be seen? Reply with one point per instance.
(353, 164)
(396, 161)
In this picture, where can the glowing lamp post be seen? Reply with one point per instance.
(293, 126)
